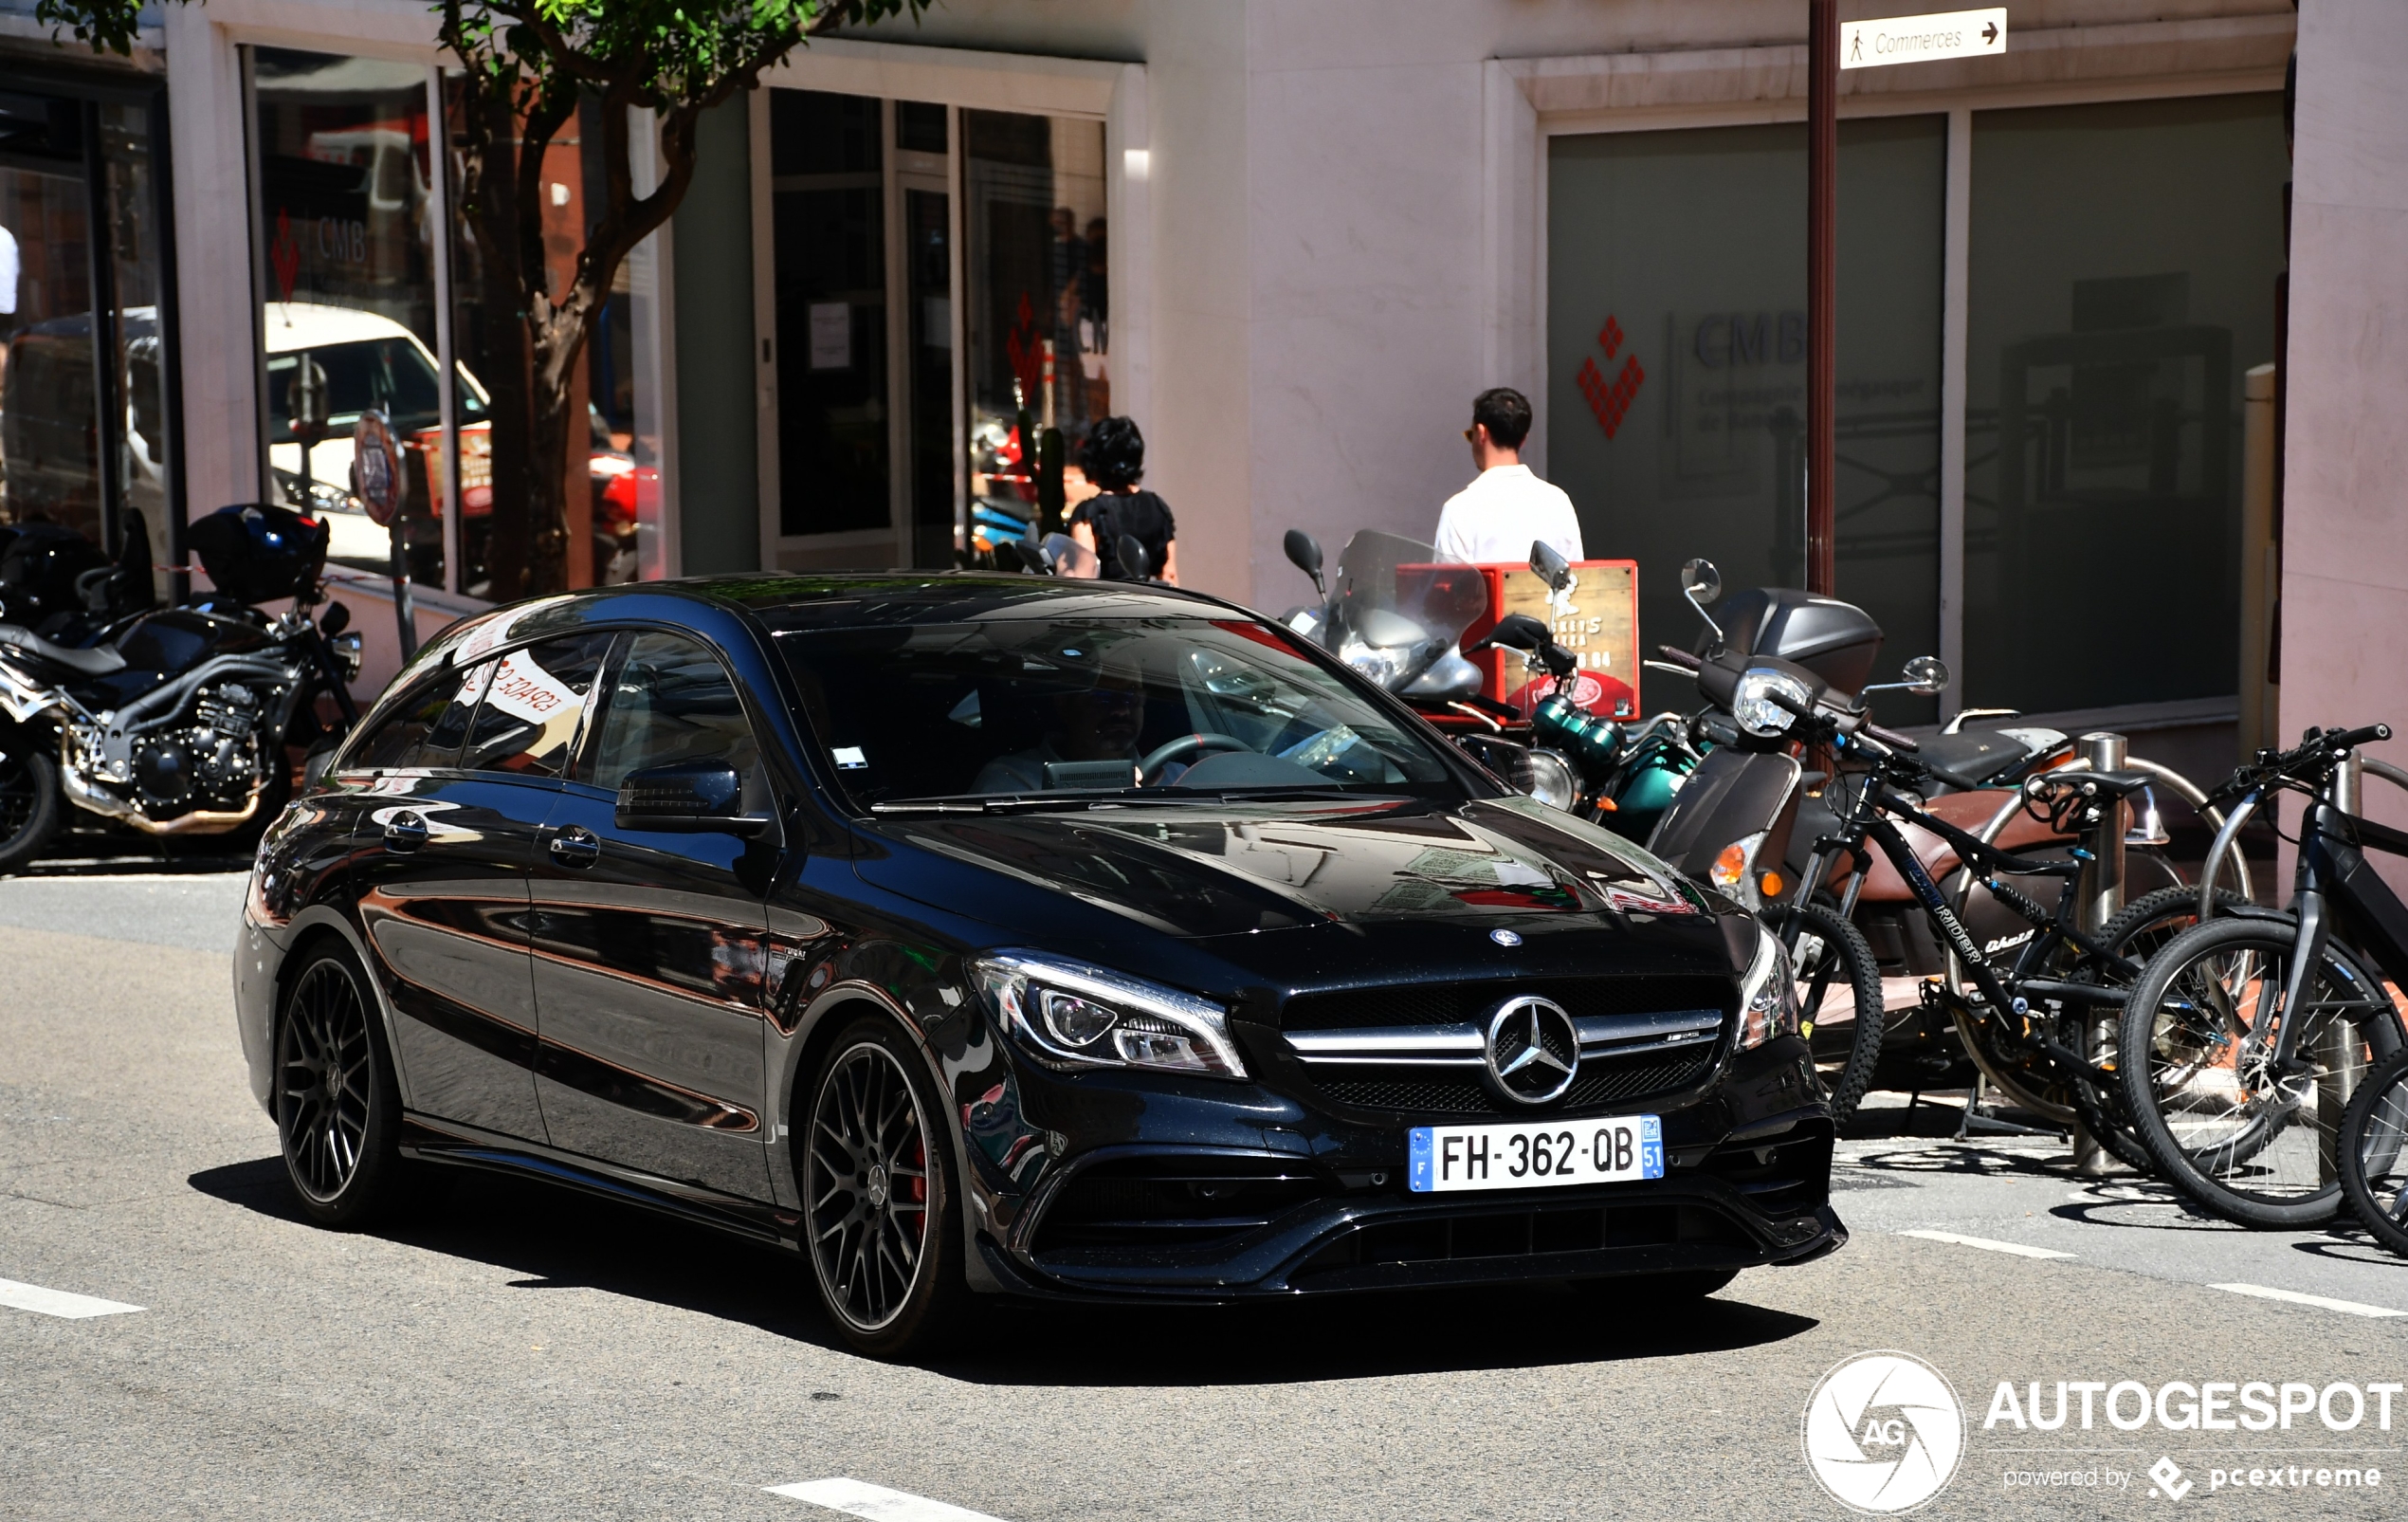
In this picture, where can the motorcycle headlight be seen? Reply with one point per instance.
(1551, 780)
(1752, 701)
(1386, 664)
(1768, 996)
(1070, 1016)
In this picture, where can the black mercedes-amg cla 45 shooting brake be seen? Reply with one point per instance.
(974, 934)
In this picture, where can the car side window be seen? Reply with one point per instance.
(425, 729)
(670, 700)
(535, 699)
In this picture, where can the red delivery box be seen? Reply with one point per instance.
(1598, 623)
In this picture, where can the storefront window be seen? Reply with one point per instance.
(1039, 321)
(1676, 366)
(2123, 280)
(346, 242)
(828, 220)
(83, 447)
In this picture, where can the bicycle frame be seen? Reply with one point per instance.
(1867, 818)
(2335, 889)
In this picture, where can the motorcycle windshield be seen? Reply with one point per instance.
(1382, 577)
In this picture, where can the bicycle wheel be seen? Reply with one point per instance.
(2136, 934)
(2198, 1037)
(2374, 1154)
(1838, 1004)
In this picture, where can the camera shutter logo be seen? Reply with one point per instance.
(1884, 1432)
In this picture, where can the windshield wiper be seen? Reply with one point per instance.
(996, 803)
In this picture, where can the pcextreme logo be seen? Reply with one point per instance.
(1884, 1432)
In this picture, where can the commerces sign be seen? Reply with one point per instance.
(1922, 39)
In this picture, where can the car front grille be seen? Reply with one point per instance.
(1601, 1081)
(1449, 1003)
(1462, 1235)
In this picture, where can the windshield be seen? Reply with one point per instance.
(1379, 573)
(1036, 706)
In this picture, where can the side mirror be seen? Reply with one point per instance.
(1135, 565)
(1701, 583)
(1927, 675)
(1303, 551)
(698, 796)
(1019, 554)
(334, 621)
(1552, 567)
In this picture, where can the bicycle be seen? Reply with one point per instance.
(2058, 973)
(2249, 1032)
(2374, 1154)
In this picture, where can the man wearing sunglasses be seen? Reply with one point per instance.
(1496, 518)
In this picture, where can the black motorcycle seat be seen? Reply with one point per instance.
(1987, 755)
(97, 661)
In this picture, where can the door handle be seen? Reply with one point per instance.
(576, 847)
(405, 832)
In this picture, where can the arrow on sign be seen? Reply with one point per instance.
(1990, 32)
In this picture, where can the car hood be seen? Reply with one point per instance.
(1411, 875)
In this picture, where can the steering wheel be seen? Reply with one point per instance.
(1149, 771)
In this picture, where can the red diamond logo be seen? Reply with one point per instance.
(1611, 402)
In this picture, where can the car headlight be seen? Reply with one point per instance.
(1551, 780)
(1768, 997)
(1752, 701)
(1070, 1016)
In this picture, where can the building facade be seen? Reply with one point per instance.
(1293, 239)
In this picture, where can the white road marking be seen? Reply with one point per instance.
(861, 1498)
(2352, 1308)
(1986, 1244)
(58, 1302)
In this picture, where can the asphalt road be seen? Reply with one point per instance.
(519, 1353)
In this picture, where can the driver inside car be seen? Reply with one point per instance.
(1091, 742)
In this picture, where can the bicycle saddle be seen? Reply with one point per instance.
(2113, 784)
(97, 661)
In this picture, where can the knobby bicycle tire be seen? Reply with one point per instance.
(2205, 1016)
(1852, 973)
(2374, 1154)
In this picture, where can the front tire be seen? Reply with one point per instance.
(29, 807)
(338, 1108)
(2252, 1146)
(881, 1202)
(1836, 975)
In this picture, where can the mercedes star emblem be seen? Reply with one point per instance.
(1504, 937)
(1533, 1050)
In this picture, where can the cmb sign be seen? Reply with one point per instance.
(1922, 39)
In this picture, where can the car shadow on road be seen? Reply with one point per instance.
(560, 1240)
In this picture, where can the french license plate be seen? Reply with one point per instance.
(1534, 1154)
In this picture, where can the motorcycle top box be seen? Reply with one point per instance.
(259, 552)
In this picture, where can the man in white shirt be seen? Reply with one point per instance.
(1495, 519)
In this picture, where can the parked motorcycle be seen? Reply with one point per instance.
(176, 721)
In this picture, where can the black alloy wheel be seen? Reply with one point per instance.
(28, 800)
(881, 1210)
(337, 1113)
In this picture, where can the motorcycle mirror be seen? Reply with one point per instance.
(1303, 551)
(334, 621)
(1927, 675)
(1701, 583)
(1552, 568)
(1135, 565)
(1024, 556)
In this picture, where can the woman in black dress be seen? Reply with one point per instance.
(1114, 459)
